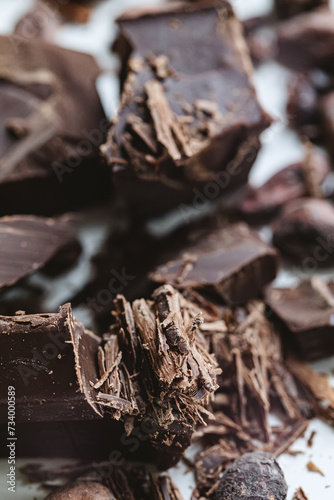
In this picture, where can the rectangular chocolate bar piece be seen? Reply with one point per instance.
(52, 124)
(232, 263)
(307, 313)
(189, 116)
(49, 359)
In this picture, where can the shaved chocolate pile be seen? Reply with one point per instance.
(183, 121)
(232, 263)
(49, 142)
(307, 311)
(27, 243)
(256, 380)
(254, 475)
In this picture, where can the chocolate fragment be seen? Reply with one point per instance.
(28, 243)
(307, 312)
(232, 263)
(49, 149)
(299, 495)
(311, 467)
(49, 359)
(177, 110)
(254, 475)
(259, 205)
(289, 8)
(306, 41)
(304, 232)
(82, 491)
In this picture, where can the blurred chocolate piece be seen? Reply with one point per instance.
(28, 243)
(289, 8)
(305, 232)
(82, 491)
(40, 22)
(189, 117)
(49, 148)
(261, 38)
(307, 312)
(50, 360)
(307, 41)
(303, 107)
(259, 205)
(232, 263)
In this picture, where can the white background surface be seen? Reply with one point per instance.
(281, 147)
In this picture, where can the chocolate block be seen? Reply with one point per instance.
(232, 263)
(307, 312)
(49, 359)
(189, 116)
(28, 243)
(305, 232)
(289, 8)
(49, 147)
(307, 41)
(259, 205)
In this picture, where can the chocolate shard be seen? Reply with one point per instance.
(27, 243)
(289, 8)
(259, 205)
(50, 360)
(304, 232)
(188, 114)
(49, 147)
(254, 475)
(307, 313)
(233, 263)
(306, 41)
(300, 495)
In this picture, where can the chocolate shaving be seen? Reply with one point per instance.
(311, 467)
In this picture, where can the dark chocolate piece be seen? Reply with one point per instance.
(254, 475)
(50, 360)
(189, 116)
(27, 243)
(307, 311)
(306, 41)
(303, 107)
(49, 141)
(82, 491)
(259, 205)
(232, 263)
(299, 495)
(289, 8)
(304, 232)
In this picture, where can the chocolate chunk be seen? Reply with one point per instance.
(259, 205)
(306, 41)
(305, 232)
(307, 311)
(50, 360)
(28, 243)
(303, 107)
(232, 263)
(299, 495)
(49, 141)
(82, 491)
(289, 8)
(254, 475)
(189, 116)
